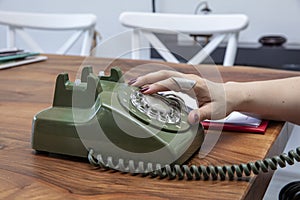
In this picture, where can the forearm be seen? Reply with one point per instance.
(274, 99)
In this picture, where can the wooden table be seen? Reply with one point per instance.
(25, 90)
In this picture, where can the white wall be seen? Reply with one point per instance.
(266, 16)
(106, 11)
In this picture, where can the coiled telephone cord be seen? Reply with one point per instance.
(197, 172)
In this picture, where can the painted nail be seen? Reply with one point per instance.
(132, 81)
(144, 89)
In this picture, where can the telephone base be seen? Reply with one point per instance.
(115, 120)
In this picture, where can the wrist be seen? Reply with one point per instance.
(236, 96)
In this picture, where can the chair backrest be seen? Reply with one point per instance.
(80, 25)
(222, 27)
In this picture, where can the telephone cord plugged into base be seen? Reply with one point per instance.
(194, 172)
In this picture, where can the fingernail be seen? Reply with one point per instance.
(196, 118)
(144, 89)
(132, 81)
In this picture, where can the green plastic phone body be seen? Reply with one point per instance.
(115, 120)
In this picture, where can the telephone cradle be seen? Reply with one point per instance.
(115, 126)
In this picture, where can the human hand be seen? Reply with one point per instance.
(210, 95)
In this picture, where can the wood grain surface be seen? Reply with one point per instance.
(26, 90)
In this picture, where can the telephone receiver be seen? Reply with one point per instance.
(116, 122)
(117, 127)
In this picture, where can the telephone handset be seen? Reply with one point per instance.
(115, 126)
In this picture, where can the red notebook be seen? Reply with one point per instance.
(237, 121)
(240, 128)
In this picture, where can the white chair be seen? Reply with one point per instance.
(78, 25)
(222, 27)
